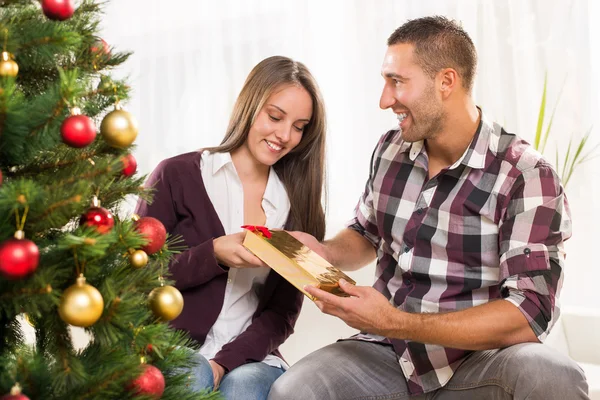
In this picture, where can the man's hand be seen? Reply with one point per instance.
(312, 243)
(218, 373)
(229, 251)
(366, 310)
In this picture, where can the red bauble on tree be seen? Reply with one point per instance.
(150, 383)
(15, 394)
(78, 130)
(153, 230)
(19, 257)
(129, 165)
(98, 217)
(100, 47)
(58, 10)
(0, 177)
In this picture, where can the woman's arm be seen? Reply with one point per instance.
(267, 331)
(196, 265)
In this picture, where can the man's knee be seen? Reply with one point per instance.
(546, 373)
(286, 387)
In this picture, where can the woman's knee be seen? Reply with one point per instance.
(250, 381)
(201, 374)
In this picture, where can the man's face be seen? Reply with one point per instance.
(411, 94)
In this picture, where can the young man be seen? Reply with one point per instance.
(467, 223)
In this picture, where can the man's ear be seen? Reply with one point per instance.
(448, 82)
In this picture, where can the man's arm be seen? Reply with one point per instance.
(348, 250)
(489, 326)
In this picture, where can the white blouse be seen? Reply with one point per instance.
(225, 191)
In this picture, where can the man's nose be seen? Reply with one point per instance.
(387, 99)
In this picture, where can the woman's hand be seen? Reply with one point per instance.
(218, 373)
(230, 252)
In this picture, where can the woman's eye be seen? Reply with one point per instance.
(274, 119)
(299, 129)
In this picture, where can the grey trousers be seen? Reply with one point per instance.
(354, 370)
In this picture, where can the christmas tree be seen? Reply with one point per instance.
(67, 261)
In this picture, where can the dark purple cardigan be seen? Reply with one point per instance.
(183, 206)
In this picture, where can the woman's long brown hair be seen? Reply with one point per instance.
(302, 171)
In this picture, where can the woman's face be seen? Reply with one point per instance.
(279, 125)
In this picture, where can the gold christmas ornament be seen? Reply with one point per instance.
(8, 67)
(81, 304)
(138, 259)
(166, 302)
(119, 128)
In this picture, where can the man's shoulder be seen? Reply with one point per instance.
(393, 137)
(516, 152)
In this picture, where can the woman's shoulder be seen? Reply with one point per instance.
(180, 163)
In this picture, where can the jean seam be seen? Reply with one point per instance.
(489, 382)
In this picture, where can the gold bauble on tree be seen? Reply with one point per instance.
(119, 128)
(166, 302)
(81, 304)
(138, 259)
(8, 67)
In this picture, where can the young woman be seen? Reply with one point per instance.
(270, 171)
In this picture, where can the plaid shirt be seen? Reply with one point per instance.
(491, 226)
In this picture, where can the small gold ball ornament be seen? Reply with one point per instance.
(138, 259)
(81, 304)
(119, 128)
(8, 67)
(166, 302)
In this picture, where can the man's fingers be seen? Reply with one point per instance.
(349, 288)
(325, 297)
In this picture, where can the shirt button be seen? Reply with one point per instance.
(229, 280)
(406, 249)
(527, 251)
(407, 282)
(420, 211)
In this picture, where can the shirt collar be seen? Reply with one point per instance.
(219, 160)
(474, 155)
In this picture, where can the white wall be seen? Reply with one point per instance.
(192, 56)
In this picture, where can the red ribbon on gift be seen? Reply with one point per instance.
(261, 230)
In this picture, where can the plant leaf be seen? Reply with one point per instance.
(540, 124)
(547, 134)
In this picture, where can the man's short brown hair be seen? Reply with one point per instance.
(439, 43)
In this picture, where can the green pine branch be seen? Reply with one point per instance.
(47, 187)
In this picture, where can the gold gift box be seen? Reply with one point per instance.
(298, 264)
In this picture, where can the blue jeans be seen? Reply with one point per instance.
(247, 382)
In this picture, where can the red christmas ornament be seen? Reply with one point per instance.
(78, 130)
(19, 257)
(150, 383)
(100, 47)
(129, 165)
(154, 231)
(15, 394)
(0, 177)
(58, 10)
(98, 217)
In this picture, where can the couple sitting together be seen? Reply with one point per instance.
(465, 220)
